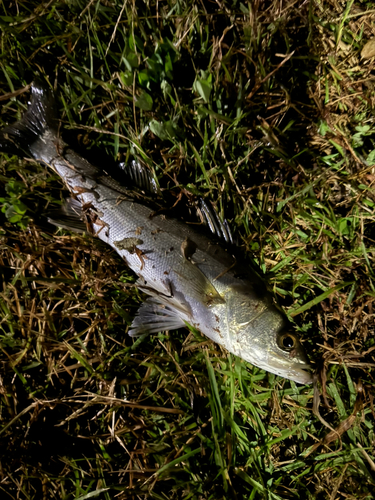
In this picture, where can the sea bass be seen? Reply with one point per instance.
(190, 278)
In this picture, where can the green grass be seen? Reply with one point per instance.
(267, 111)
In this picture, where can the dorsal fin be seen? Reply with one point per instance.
(140, 177)
(218, 227)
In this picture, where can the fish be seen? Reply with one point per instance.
(191, 279)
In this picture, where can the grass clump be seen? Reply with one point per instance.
(264, 109)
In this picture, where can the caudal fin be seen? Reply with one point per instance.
(19, 137)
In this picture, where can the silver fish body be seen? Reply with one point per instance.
(190, 278)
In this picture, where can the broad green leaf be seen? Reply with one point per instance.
(144, 101)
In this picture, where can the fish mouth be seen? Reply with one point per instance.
(297, 367)
(297, 370)
(300, 373)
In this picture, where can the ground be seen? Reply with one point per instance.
(266, 109)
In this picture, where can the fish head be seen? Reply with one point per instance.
(261, 334)
(284, 355)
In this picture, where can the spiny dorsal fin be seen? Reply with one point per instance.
(218, 227)
(140, 176)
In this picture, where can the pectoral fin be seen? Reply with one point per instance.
(200, 287)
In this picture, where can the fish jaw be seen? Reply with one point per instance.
(258, 332)
(275, 363)
(292, 365)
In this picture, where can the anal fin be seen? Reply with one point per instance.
(69, 216)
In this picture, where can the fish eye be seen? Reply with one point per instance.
(287, 342)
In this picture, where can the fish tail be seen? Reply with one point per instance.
(19, 137)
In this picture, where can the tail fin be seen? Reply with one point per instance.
(19, 137)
